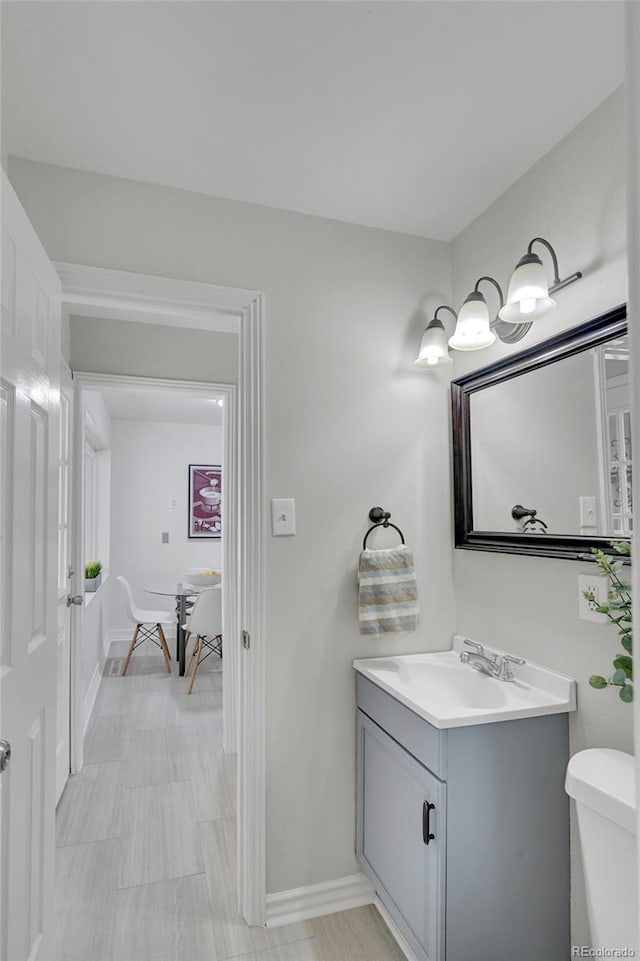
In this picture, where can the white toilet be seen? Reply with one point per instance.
(602, 782)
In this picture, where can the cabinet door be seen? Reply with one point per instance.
(394, 825)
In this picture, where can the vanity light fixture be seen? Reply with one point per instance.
(527, 300)
(528, 295)
(434, 349)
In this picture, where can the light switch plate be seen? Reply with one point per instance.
(588, 512)
(283, 516)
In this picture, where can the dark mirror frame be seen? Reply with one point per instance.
(566, 344)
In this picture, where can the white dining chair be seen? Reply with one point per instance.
(148, 626)
(205, 624)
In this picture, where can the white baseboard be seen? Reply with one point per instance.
(300, 904)
(120, 634)
(90, 697)
(403, 944)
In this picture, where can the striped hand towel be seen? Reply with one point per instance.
(387, 591)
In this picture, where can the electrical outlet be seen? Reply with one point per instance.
(599, 587)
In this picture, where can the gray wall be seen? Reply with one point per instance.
(349, 424)
(575, 197)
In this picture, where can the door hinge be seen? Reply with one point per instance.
(246, 640)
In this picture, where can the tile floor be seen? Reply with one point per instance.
(146, 837)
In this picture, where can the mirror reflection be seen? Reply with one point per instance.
(551, 450)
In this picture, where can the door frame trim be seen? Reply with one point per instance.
(150, 299)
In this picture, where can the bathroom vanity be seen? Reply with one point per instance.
(462, 819)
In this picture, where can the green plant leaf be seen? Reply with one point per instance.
(626, 693)
(617, 610)
(622, 547)
(623, 663)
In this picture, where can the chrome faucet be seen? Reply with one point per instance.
(495, 665)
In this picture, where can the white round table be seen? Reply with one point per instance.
(181, 591)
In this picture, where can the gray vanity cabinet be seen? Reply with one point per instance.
(492, 884)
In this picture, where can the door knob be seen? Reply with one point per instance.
(5, 754)
(75, 599)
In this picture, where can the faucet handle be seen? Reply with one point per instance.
(478, 648)
(505, 662)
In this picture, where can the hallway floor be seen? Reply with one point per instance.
(146, 837)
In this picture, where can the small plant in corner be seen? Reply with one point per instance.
(618, 610)
(92, 576)
(92, 569)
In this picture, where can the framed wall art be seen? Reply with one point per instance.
(205, 500)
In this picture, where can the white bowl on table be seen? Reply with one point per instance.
(202, 577)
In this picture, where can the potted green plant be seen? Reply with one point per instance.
(92, 575)
(618, 611)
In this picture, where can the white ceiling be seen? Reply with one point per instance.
(161, 406)
(409, 116)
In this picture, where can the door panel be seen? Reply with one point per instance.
(64, 584)
(34, 523)
(29, 418)
(7, 405)
(407, 871)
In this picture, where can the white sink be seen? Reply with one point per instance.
(447, 693)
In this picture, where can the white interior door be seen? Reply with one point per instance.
(29, 411)
(65, 575)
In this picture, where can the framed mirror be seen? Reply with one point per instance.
(542, 455)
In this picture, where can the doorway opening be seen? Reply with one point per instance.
(140, 299)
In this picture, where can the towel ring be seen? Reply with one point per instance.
(381, 519)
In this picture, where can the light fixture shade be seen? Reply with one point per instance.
(434, 351)
(472, 329)
(528, 297)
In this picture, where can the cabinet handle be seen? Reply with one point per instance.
(427, 808)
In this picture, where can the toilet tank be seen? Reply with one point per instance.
(602, 783)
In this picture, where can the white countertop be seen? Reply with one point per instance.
(447, 693)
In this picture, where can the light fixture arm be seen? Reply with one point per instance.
(445, 307)
(495, 283)
(558, 284)
(545, 243)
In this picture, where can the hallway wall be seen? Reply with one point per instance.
(150, 466)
